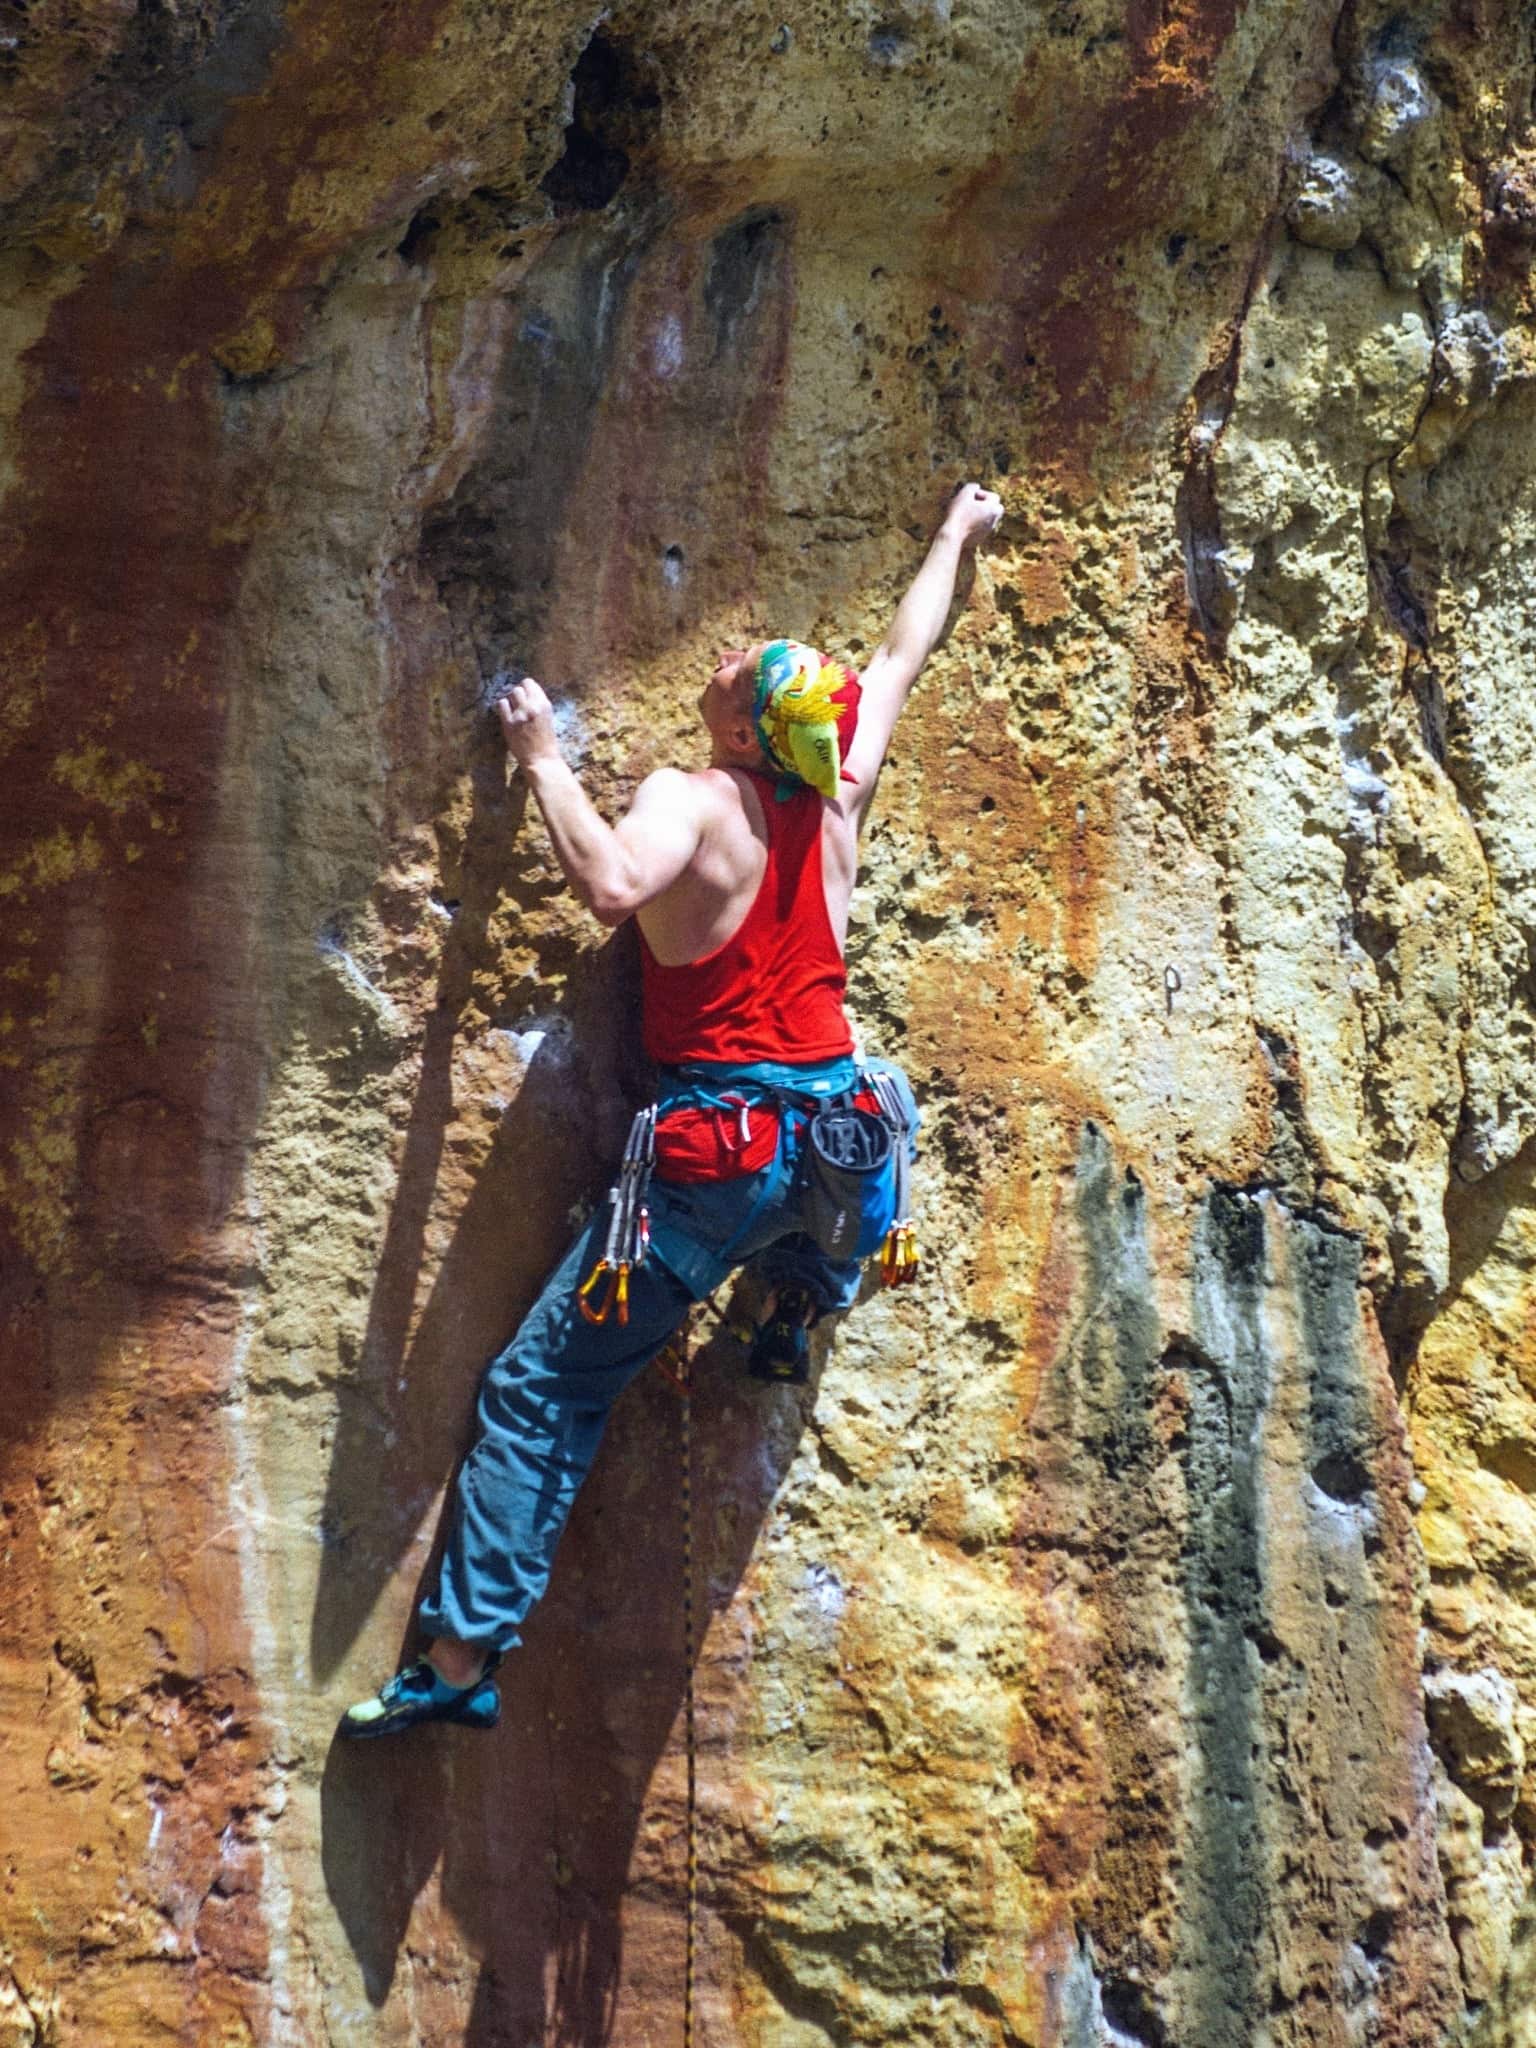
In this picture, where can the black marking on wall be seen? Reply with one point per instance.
(1225, 1890)
(1104, 1418)
(1326, 1267)
(1429, 696)
(1197, 515)
(743, 258)
(1117, 1344)
(1404, 576)
(491, 548)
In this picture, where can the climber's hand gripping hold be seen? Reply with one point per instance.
(886, 683)
(528, 723)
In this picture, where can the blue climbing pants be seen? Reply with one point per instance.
(545, 1399)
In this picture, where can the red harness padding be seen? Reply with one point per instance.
(694, 1143)
(774, 990)
(739, 1136)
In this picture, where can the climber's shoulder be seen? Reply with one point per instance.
(686, 798)
(686, 809)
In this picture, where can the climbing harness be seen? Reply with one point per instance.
(629, 1226)
(854, 1168)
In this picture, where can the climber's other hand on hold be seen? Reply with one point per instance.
(528, 724)
(972, 512)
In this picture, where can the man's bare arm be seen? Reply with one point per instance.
(615, 870)
(893, 669)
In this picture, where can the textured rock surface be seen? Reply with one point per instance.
(1133, 1638)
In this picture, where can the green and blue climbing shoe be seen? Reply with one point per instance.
(417, 1694)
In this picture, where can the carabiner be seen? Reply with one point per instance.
(616, 1275)
(907, 1257)
(742, 1108)
(899, 1256)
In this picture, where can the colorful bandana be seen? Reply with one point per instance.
(805, 710)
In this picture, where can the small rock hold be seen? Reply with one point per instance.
(1472, 1725)
(1366, 788)
(69, 1770)
(1512, 200)
(1399, 102)
(1470, 356)
(1325, 213)
(888, 47)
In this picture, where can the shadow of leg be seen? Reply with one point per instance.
(382, 1817)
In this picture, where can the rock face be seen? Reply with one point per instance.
(1131, 1637)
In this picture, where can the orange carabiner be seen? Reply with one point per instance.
(899, 1256)
(604, 1308)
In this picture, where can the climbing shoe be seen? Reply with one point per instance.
(417, 1694)
(781, 1350)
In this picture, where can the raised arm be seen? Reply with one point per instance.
(893, 669)
(614, 869)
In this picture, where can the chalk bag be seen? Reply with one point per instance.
(850, 1169)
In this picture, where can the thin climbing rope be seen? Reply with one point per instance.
(690, 1740)
(683, 1379)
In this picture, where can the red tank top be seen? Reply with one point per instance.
(774, 990)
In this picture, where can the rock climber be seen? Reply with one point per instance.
(739, 875)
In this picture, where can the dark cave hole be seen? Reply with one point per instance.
(1376, 1935)
(1128, 2010)
(613, 98)
(1342, 1476)
(415, 245)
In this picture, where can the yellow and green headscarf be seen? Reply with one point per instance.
(805, 709)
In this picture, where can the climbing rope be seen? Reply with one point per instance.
(690, 1736)
(677, 1363)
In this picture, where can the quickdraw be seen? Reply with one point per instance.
(629, 1227)
(899, 1255)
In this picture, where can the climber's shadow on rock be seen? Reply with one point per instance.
(406, 1414)
(402, 1422)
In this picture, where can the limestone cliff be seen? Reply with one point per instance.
(1131, 1638)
